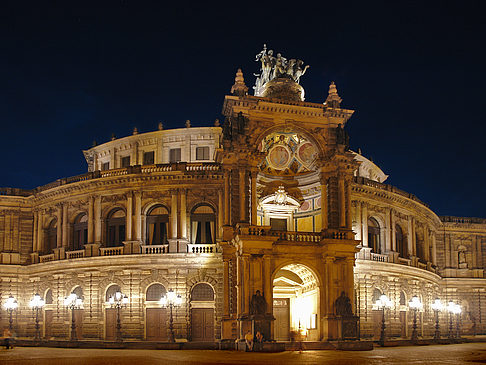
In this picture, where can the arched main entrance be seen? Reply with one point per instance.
(296, 303)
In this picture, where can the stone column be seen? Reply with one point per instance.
(267, 283)
(364, 220)
(138, 215)
(393, 236)
(59, 226)
(342, 202)
(34, 234)
(220, 214)
(183, 231)
(349, 217)
(246, 281)
(426, 244)
(324, 204)
(129, 217)
(410, 237)
(349, 269)
(90, 220)
(226, 287)
(173, 215)
(414, 239)
(434, 249)
(226, 198)
(97, 218)
(65, 226)
(40, 231)
(359, 224)
(254, 200)
(242, 186)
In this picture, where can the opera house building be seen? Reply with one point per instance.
(265, 221)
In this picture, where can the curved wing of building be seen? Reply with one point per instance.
(267, 223)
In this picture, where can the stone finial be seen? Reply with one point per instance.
(135, 131)
(239, 88)
(113, 136)
(188, 123)
(333, 100)
(216, 123)
(161, 126)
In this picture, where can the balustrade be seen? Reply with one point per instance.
(201, 248)
(111, 251)
(46, 258)
(75, 254)
(154, 249)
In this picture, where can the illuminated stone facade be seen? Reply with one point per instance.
(271, 202)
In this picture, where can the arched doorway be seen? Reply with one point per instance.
(296, 303)
(157, 224)
(202, 312)
(78, 313)
(203, 221)
(80, 232)
(48, 314)
(110, 313)
(156, 317)
(115, 228)
(51, 237)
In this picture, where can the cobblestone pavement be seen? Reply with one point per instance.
(440, 354)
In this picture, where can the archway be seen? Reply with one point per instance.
(296, 303)
(202, 312)
(110, 313)
(155, 316)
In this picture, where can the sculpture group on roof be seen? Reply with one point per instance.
(273, 67)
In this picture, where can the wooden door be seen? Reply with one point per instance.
(110, 324)
(376, 316)
(281, 312)
(156, 324)
(202, 323)
(78, 317)
(403, 324)
(48, 324)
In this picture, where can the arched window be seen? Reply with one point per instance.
(376, 295)
(115, 228)
(78, 291)
(155, 292)
(401, 242)
(203, 224)
(48, 296)
(157, 221)
(80, 232)
(51, 237)
(403, 301)
(419, 244)
(202, 292)
(112, 289)
(374, 235)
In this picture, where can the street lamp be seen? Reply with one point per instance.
(73, 302)
(453, 308)
(171, 300)
(118, 301)
(416, 305)
(36, 303)
(10, 305)
(382, 303)
(437, 306)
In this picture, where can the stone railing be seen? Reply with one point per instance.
(46, 258)
(156, 168)
(297, 236)
(15, 192)
(206, 166)
(111, 251)
(154, 249)
(465, 220)
(201, 248)
(374, 184)
(75, 254)
(378, 257)
(403, 261)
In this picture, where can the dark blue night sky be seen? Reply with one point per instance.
(414, 71)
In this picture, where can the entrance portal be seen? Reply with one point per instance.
(296, 304)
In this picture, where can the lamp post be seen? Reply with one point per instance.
(73, 302)
(170, 301)
(37, 303)
(118, 301)
(437, 306)
(10, 305)
(453, 308)
(416, 305)
(383, 303)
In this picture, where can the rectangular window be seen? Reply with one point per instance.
(174, 155)
(105, 166)
(202, 153)
(148, 158)
(125, 161)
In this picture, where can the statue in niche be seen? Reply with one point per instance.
(342, 137)
(462, 259)
(343, 305)
(258, 304)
